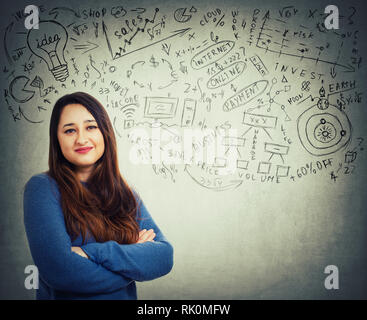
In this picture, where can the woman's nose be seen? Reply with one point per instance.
(81, 139)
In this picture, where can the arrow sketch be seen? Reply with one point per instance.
(89, 46)
(117, 55)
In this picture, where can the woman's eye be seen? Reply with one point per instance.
(89, 128)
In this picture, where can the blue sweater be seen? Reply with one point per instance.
(112, 268)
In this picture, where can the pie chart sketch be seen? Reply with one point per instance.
(18, 91)
(181, 15)
(324, 130)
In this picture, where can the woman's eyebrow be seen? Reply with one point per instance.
(70, 124)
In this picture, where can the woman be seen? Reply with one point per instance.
(90, 235)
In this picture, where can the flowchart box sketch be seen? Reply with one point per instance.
(264, 167)
(220, 162)
(242, 164)
(259, 120)
(233, 141)
(282, 171)
(276, 148)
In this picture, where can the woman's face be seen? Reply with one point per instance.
(80, 139)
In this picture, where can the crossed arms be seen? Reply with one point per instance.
(110, 266)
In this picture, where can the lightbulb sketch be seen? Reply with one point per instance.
(324, 129)
(48, 42)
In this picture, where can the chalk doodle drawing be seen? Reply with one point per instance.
(323, 129)
(225, 96)
(50, 46)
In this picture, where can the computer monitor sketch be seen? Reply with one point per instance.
(160, 107)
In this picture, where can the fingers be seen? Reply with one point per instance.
(151, 237)
(142, 232)
(79, 251)
(146, 235)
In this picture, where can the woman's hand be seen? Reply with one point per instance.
(79, 251)
(146, 235)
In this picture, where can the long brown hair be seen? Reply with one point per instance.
(106, 208)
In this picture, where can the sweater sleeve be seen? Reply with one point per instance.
(50, 246)
(139, 261)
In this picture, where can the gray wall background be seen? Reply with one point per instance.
(254, 238)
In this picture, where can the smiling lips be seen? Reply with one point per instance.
(84, 150)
